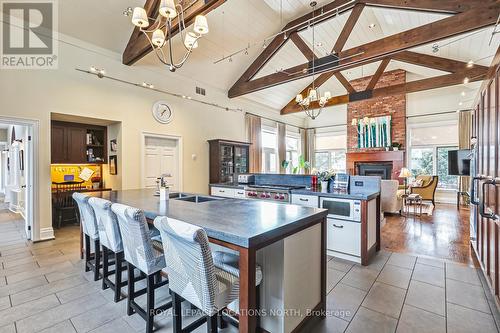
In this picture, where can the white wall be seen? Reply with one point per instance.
(34, 94)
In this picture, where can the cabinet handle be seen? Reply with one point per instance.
(222, 191)
(473, 189)
(482, 204)
(240, 193)
(302, 199)
(338, 226)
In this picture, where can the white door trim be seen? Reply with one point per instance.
(177, 138)
(32, 200)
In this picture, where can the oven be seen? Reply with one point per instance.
(342, 209)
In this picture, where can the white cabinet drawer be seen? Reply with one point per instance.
(239, 193)
(223, 192)
(344, 236)
(305, 200)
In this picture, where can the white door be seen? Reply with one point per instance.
(161, 157)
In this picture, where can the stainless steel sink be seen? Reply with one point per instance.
(192, 197)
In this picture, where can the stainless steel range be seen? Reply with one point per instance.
(278, 193)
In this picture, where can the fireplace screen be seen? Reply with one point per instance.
(374, 132)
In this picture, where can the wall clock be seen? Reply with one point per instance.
(162, 112)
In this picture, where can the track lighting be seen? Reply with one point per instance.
(470, 63)
(98, 71)
(466, 80)
(148, 85)
(435, 48)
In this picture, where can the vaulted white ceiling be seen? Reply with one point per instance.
(240, 23)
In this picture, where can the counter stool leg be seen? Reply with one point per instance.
(97, 256)
(176, 313)
(105, 258)
(130, 298)
(150, 304)
(118, 276)
(87, 252)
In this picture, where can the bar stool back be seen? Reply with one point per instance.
(140, 254)
(111, 241)
(89, 227)
(192, 274)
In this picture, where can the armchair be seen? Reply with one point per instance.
(391, 196)
(428, 188)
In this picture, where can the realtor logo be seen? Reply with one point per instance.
(29, 34)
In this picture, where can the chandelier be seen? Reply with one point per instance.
(313, 94)
(159, 33)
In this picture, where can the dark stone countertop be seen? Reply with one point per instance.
(229, 185)
(247, 223)
(355, 196)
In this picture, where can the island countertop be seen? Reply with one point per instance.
(246, 223)
(368, 195)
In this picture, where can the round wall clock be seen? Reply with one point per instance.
(162, 112)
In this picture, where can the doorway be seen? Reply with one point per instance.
(161, 156)
(18, 170)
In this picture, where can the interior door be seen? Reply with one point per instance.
(161, 157)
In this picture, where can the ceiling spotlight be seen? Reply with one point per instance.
(147, 85)
(435, 48)
(319, 44)
(460, 103)
(463, 93)
(372, 25)
(128, 11)
(246, 51)
(99, 72)
(230, 59)
(189, 97)
(466, 80)
(470, 63)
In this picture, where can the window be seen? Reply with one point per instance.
(330, 149)
(292, 151)
(429, 146)
(269, 150)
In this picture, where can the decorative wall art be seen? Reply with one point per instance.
(373, 132)
(113, 165)
(113, 145)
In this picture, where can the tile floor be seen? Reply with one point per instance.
(43, 289)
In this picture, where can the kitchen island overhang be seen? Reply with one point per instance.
(288, 241)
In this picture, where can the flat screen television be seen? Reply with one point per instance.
(459, 162)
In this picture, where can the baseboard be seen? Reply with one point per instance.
(46, 233)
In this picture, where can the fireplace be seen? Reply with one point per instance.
(382, 170)
(386, 164)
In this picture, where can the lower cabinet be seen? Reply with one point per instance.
(344, 237)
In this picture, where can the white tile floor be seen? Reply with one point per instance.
(43, 289)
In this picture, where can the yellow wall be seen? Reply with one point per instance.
(59, 171)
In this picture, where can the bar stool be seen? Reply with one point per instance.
(229, 262)
(140, 254)
(111, 242)
(192, 274)
(89, 227)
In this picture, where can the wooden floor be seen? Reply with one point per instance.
(443, 235)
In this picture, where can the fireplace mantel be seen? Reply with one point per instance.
(396, 157)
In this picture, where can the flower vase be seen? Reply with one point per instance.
(324, 186)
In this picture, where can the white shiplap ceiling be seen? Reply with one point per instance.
(239, 23)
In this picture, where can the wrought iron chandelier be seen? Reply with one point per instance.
(159, 33)
(313, 94)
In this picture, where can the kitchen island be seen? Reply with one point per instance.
(288, 241)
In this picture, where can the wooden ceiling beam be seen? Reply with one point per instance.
(348, 27)
(474, 74)
(469, 20)
(439, 6)
(430, 61)
(347, 85)
(296, 25)
(302, 46)
(138, 45)
(376, 77)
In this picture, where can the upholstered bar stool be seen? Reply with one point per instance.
(111, 242)
(229, 262)
(192, 274)
(90, 230)
(141, 255)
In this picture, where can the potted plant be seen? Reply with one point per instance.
(324, 178)
(396, 146)
(303, 166)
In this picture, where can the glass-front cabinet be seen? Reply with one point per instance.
(227, 160)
